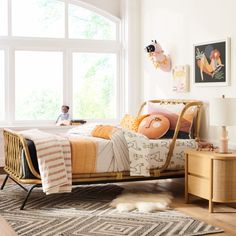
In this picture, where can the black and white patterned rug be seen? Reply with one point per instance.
(86, 211)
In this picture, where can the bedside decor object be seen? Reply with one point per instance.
(180, 75)
(210, 175)
(157, 56)
(222, 113)
(204, 145)
(212, 63)
(64, 118)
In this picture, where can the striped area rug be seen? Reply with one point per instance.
(86, 211)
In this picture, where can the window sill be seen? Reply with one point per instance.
(51, 125)
(43, 127)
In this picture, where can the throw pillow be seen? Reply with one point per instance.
(103, 131)
(131, 122)
(172, 112)
(154, 126)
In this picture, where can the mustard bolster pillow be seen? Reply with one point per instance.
(103, 131)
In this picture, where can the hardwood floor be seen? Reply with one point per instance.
(224, 215)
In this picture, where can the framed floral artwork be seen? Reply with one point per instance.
(212, 63)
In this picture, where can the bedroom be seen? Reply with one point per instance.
(176, 25)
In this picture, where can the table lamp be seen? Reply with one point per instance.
(223, 113)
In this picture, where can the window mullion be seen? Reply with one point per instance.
(3, 73)
(69, 80)
(67, 93)
(120, 87)
(10, 85)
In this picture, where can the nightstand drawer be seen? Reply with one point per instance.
(210, 175)
(199, 165)
(199, 186)
(224, 180)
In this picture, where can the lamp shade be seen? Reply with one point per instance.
(223, 112)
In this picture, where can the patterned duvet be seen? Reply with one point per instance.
(129, 151)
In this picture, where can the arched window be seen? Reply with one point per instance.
(87, 24)
(58, 52)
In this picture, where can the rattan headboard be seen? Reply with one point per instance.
(187, 103)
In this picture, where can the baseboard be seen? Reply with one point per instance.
(2, 170)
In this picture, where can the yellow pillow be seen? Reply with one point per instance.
(103, 131)
(132, 122)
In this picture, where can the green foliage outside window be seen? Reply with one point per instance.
(38, 105)
(94, 97)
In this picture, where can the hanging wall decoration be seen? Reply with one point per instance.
(212, 63)
(157, 56)
(180, 76)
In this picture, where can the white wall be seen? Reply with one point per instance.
(111, 6)
(177, 25)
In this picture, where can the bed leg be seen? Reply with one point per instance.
(4, 182)
(19, 184)
(28, 194)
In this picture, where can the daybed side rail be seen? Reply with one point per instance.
(188, 104)
(196, 131)
(14, 145)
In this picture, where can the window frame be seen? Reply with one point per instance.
(4, 50)
(67, 46)
(7, 19)
(99, 11)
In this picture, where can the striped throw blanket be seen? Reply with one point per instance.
(54, 159)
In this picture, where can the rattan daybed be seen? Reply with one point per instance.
(15, 144)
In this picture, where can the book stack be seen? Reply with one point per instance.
(78, 122)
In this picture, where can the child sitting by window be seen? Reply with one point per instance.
(64, 117)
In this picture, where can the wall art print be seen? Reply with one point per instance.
(212, 63)
(180, 76)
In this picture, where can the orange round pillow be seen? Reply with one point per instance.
(154, 126)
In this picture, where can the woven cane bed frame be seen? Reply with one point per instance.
(15, 143)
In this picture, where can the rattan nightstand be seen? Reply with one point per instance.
(210, 175)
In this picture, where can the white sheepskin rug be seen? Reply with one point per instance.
(143, 197)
